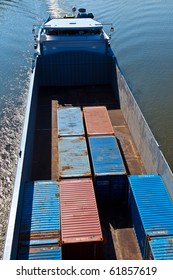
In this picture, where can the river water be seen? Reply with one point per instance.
(142, 42)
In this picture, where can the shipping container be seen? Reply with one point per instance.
(46, 252)
(73, 157)
(40, 222)
(160, 248)
(70, 121)
(97, 121)
(151, 209)
(110, 179)
(81, 232)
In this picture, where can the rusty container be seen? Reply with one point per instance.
(40, 222)
(81, 232)
(73, 157)
(97, 121)
(70, 121)
(40, 252)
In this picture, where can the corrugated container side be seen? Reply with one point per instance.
(81, 232)
(70, 121)
(73, 157)
(160, 248)
(151, 209)
(97, 121)
(40, 223)
(137, 224)
(110, 178)
(46, 252)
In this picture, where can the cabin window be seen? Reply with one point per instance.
(72, 32)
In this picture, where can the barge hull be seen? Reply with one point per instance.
(84, 79)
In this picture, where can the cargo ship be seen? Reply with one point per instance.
(91, 180)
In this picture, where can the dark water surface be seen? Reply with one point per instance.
(143, 44)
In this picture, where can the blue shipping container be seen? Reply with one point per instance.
(40, 223)
(70, 122)
(110, 178)
(73, 157)
(47, 252)
(151, 209)
(160, 248)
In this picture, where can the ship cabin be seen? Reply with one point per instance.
(85, 34)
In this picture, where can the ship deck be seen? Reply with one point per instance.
(119, 238)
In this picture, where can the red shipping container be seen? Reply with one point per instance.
(81, 233)
(97, 121)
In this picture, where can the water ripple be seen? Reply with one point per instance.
(17, 18)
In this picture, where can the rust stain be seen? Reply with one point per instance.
(87, 174)
(148, 237)
(170, 240)
(43, 234)
(35, 250)
(66, 168)
(78, 139)
(54, 141)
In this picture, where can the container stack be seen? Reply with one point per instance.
(72, 148)
(152, 216)
(109, 174)
(40, 224)
(81, 234)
